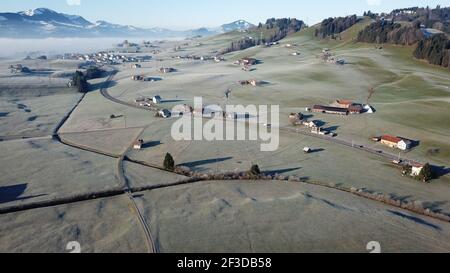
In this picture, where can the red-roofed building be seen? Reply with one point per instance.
(396, 142)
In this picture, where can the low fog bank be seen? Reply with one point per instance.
(18, 48)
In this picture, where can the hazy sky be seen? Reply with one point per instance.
(185, 14)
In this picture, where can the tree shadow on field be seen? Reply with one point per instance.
(205, 162)
(13, 193)
(414, 219)
(440, 171)
(151, 144)
(97, 86)
(281, 171)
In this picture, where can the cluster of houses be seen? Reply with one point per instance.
(103, 57)
(340, 107)
(216, 59)
(329, 58)
(18, 68)
(394, 142)
(300, 119)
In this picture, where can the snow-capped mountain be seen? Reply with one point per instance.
(239, 25)
(43, 23)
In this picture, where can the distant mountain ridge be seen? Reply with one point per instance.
(44, 23)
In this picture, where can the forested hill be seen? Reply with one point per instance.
(436, 50)
(332, 26)
(387, 31)
(427, 29)
(273, 30)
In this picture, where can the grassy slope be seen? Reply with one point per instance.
(411, 96)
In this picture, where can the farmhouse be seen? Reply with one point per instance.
(330, 110)
(416, 169)
(396, 142)
(352, 107)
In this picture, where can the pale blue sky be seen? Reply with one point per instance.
(185, 14)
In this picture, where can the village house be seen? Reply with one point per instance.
(330, 110)
(156, 99)
(138, 144)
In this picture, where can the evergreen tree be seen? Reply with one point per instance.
(169, 163)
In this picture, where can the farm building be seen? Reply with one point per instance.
(156, 99)
(166, 70)
(182, 109)
(330, 110)
(246, 61)
(296, 118)
(353, 108)
(18, 68)
(395, 142)
(416, 169)
(310, 124)
(165, 113)
(248, 82)
(138, 144)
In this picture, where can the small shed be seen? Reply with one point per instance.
(138, 144)
(165, 113)
(156, 99)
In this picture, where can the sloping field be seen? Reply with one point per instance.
(282, 217)
(37, 170)
(100, 226)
